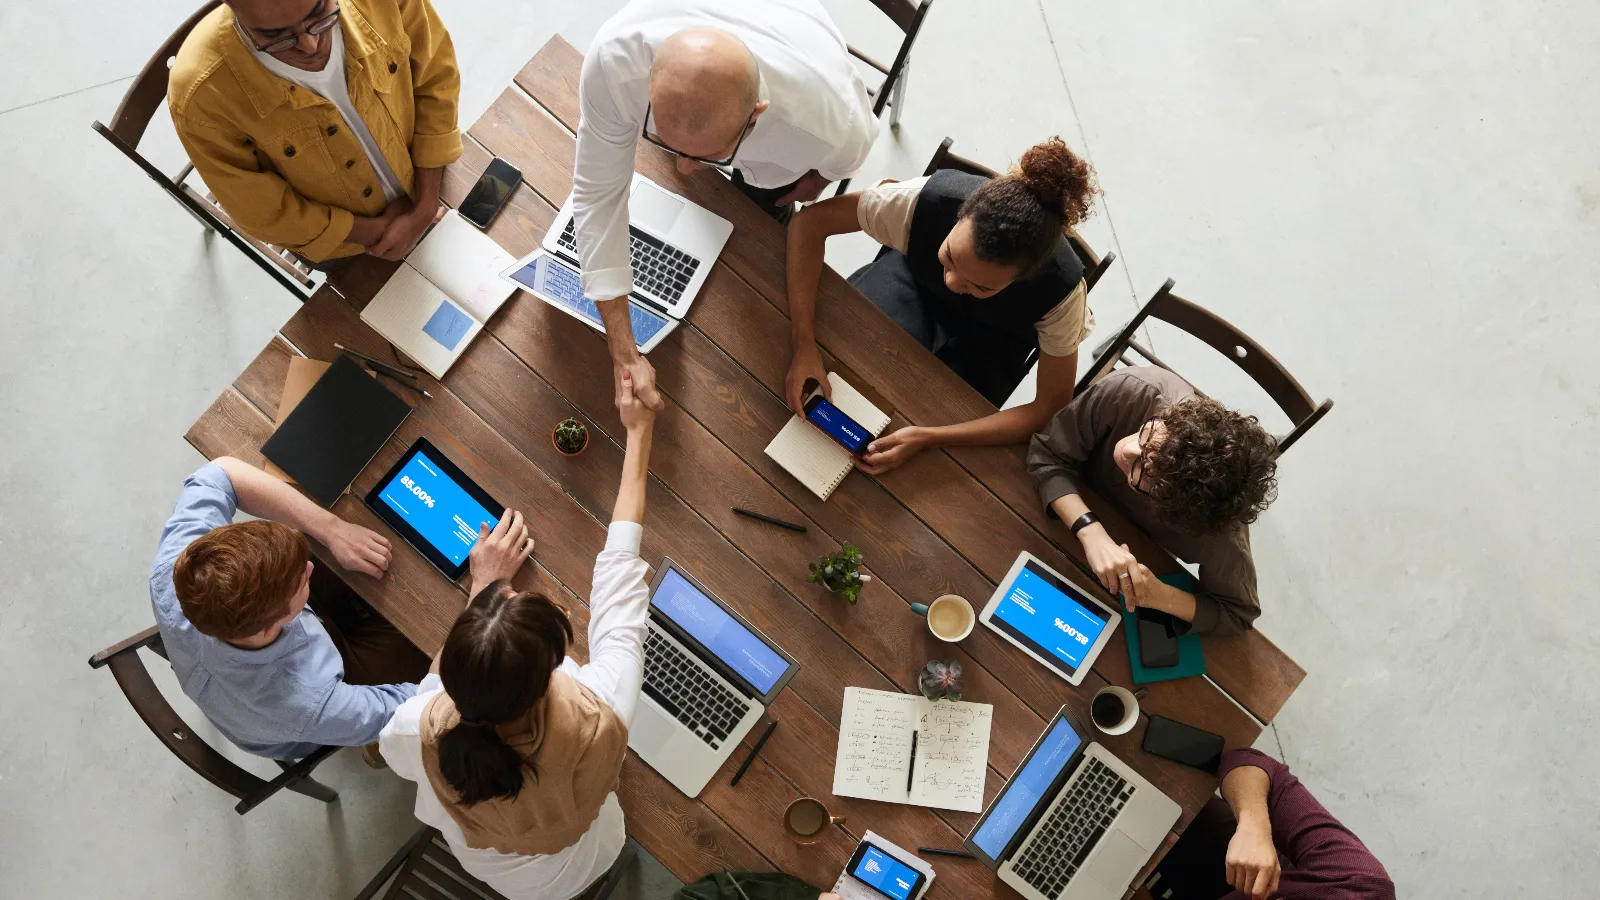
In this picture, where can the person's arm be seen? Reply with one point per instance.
(807, 239)
(403, 232)
(1252, 861)
(435, 92)
(259, 494)
(354, 714)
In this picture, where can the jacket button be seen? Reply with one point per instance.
(393, 68)
(248, 142)
(366, 192)
(333, 130)
(289, 150)
(291, 88)
(349, 163)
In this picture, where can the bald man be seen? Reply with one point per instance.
(765, 87)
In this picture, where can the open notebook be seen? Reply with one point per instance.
(813, 457)
(876, 749)
(441, 296)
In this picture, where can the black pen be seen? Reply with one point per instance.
(770, 520)
(385, 368)
(760, 742)
(938, 852)
(912, 769)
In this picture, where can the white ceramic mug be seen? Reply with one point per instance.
(1130, 710)
(944, 610)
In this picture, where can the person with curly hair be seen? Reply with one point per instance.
(978, 270)
(1189, 471)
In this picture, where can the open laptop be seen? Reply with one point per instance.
(1073, 822)
(708, 676)
(672, 244)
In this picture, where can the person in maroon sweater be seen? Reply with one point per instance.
(1283, 844)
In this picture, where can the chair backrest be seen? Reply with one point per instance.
(425, 867)
(902, 12)
(1223, 337)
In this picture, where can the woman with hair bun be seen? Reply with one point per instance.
(515, 747)
(978, 270)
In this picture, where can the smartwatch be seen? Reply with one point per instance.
(1082, 522)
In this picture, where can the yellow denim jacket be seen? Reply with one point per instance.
(277, 157)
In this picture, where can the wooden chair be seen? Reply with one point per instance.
(1094, 265)
(907, 15)
(425, 867)
(128, 124)
(134, 679)
(1225, 339)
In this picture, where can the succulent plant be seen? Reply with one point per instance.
(571, 436)
(840, 572)
(941, 680)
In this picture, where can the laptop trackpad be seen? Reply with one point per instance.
(1117, 861)
(650, 732)
(654, 209)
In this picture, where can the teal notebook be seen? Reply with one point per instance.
(1190, 660)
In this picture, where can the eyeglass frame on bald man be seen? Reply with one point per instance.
(749, 126)
(319, 26)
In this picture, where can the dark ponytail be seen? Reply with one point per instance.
(495, 665)
(1018, 217)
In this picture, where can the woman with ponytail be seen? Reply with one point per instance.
(978, 270)
(515, 747)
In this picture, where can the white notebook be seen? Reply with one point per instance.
(816, 459)
(875, 749)
(441, 296)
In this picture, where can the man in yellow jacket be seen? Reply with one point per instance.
(322, 126)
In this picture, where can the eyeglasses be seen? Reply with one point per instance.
(652, 138)
(320, 25)
(1137, 470)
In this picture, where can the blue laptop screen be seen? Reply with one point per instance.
(1050, 617)
(887, 874)
(431, 502)
(727, 639)
(1016, 803)
(554, 281)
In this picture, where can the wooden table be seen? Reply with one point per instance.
(948, 522)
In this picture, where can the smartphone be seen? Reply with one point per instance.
(1158, 639)
(835, 424)
(493, 189)
(885, 874)
(1183, 743)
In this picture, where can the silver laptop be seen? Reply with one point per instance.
(708, 676)
(1073, 822)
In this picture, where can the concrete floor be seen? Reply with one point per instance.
(1398, 199)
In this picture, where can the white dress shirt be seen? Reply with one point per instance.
(618, 610)
(820, 115)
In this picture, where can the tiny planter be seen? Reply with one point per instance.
(941, 680)
(840, 573)
(570, 437)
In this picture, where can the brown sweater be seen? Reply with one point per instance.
(1074, 452)
(572, 739)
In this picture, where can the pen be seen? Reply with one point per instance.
(912, 769)
(735, 882)
(938, 852)
(385, 368)
(770, 520)
(760, 742)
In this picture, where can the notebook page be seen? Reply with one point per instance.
(853, 404)
(952, 754)
(465, 263)
(421, 321)
(875, 745)
(812, 457)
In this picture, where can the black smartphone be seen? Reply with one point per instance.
(885, 874)
(835, 424)
(1183, 743)
(1158, 639)
(493, 189)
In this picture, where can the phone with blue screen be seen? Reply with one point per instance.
(835, 424)
(884, 873)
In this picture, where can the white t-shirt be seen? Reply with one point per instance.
(330, 85)
(618, 611)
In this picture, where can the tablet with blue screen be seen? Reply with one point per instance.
(434, 506)
(1053, 620)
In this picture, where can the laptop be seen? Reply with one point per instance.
(672, 244)
(1073, 822)
(708, 677)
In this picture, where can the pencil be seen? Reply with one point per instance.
(760, 742)
(938, 852)
(385, 368)
(770, 520)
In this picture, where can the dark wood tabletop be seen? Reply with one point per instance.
(947, 522)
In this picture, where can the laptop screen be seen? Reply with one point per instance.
(741, 649)
(1028, 789)
(1050, 617)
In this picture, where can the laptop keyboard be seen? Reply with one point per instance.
(1073, 829)
(678, 684)
(658, 268)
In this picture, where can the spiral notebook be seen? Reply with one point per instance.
(816, 459)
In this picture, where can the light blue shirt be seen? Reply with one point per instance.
(283, 700)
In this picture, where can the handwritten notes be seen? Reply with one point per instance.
(952, 749)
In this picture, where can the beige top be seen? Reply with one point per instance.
(884, 212)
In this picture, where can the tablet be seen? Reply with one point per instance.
(1052, 619)
(434, 506)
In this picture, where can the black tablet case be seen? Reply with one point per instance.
(336, 430)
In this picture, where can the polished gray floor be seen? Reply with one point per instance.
(1400, 200)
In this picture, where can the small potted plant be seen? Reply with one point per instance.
(941, 680)
(570, 437)
(840, 573)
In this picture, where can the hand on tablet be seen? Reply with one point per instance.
(499, 552)
(358, 549)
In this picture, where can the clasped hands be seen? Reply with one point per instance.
(403, 226)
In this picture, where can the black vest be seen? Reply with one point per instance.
(1014, 310)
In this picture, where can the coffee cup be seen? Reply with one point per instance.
(950, 618)
(1114, 710)
(807, 819)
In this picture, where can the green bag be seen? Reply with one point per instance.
(756, 886)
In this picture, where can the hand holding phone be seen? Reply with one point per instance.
(850, 434)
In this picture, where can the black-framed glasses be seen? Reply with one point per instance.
(645, 133)
(1137, 470)
(320, 25)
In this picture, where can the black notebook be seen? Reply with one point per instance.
(335, 431)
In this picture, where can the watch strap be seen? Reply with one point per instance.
(1082, 522)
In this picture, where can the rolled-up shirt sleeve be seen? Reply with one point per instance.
(1057, 454)
(608, 137)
